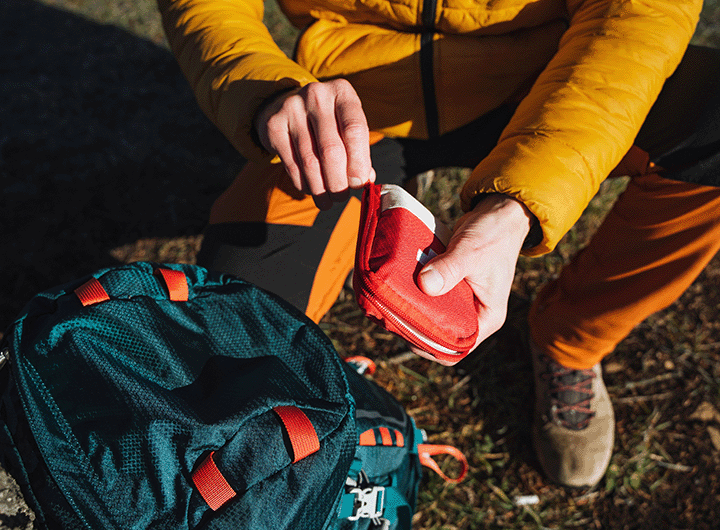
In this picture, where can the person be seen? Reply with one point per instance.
(543, 99)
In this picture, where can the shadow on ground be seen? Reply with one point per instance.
(101, 144)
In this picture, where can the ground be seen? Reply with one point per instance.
(105, 159)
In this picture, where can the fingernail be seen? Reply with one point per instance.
(355, 182)
(432, 280)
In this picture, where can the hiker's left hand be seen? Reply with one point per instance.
(483, 251)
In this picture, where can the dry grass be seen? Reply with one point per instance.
(104, 158)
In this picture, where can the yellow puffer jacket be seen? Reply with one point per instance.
(585, 74)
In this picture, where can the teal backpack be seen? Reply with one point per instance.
(169, 397)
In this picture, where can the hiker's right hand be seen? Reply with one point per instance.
(321, 135)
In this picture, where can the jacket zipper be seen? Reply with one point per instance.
(427, 70)
(424, 339)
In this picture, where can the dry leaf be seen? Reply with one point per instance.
(706, 412)
(714, 437)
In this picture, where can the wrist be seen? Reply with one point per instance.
(516, 217)
(514, 212)
(261, 116)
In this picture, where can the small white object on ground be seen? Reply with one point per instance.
(526, 500)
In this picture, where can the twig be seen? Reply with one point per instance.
(418, 410)
(705, 347)
(674, 467)
(493, 456)
(414, 374)
(402, 358)
(661, 450)
(645, 382)
(500, 493)
(640, 399)
(457, 386)
(589, 495)
(535, 516)
(579, 522)
(706, 375)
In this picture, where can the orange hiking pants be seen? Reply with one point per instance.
(264, 231)
(655, 241)
(658, 237)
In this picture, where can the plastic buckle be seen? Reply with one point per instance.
(369, 502)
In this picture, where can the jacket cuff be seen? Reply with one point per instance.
(535, 235)
(555, 211)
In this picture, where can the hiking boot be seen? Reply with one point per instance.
(574, 424)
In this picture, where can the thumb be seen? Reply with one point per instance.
(440, 275)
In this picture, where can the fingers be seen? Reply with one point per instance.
(321, 135)
(326, 160)
(356, 137)
(491, 288)
(441, 275)
(483, 251)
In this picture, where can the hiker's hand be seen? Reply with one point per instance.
(483, 250)
(321, 135)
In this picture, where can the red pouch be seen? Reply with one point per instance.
(398, 235)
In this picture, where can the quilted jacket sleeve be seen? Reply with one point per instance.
(584, 111)
(231, 62)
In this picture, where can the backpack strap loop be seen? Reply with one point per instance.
(361, 364)
(427, 451)
(176, 283)
(303, 438)
(211, 484)
(91, 292)
(382, 436)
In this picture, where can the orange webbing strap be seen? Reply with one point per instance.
(303, 438)
(176, 284)
(364, 364)
(427, 451)
(367, 438)
(211, 484)
(91, 292)
(385, 436)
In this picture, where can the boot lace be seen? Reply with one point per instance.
(570, 394)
